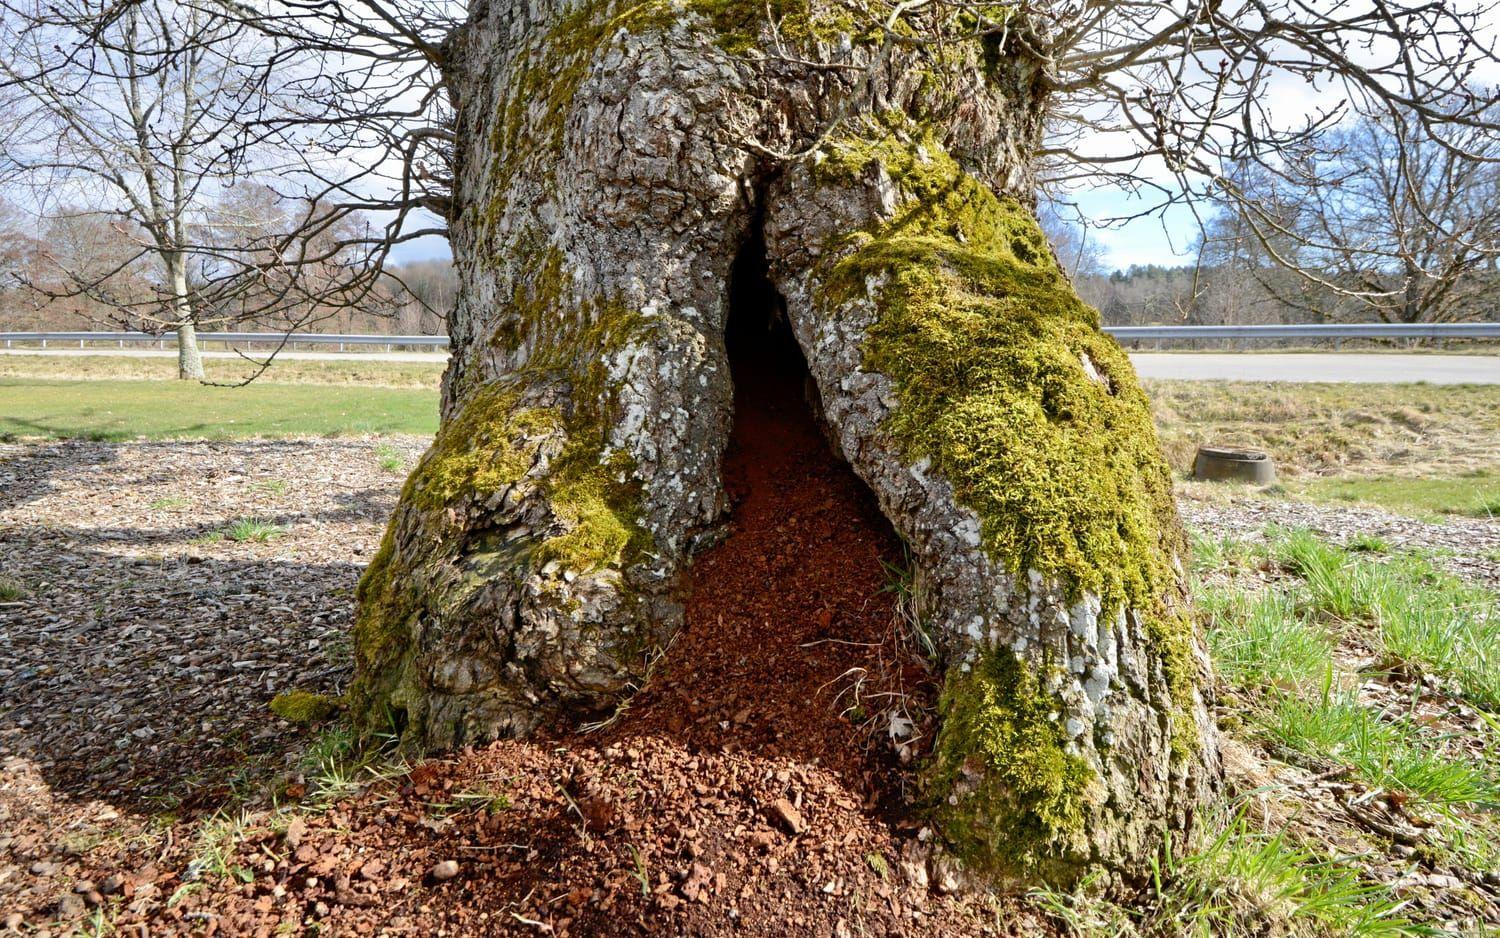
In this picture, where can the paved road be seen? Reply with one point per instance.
(1320, 366)
(1191, 366)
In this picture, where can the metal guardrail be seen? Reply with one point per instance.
(264, 338)
(1456, 330)
(1465, 330)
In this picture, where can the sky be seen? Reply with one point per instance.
(1166, 240)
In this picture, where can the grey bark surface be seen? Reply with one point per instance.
(596, 229)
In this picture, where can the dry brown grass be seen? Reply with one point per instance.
(1314, 430)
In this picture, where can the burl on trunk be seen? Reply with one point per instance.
(612, 160)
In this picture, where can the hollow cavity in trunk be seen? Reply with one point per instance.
(789, 621)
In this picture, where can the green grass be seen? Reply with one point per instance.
(1420, 615)
(1275, 644)
(85, 367)
(1262, 640)
(11, 590)
(1368, 544)
(1476, 494)
(1249, 882)
(119, 410)
(337, 765)
(1275, 616)
(1384, 751)
(170, 502)
(1240, 882)
(246, 530)
(390, 458)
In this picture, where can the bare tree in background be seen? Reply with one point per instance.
(1382, 222)
(143, 117)
(1072, 239)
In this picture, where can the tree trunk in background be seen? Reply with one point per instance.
(189, 361)
(612, 162)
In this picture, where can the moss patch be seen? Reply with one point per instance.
(1000, 727)
(303, 707)
(540, 432)
(1006, 385)
(739, 23)
(480, 451)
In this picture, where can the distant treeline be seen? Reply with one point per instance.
(1232, 295)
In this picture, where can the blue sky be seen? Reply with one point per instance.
(1167, 240)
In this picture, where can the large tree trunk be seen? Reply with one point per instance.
(612, 162)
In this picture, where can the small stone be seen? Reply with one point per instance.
(787, 817)
(14, 921)
(43, 868)
(296, 829)
(445, 870)
(71, 906)
(112, 884)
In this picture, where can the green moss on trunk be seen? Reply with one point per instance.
(537, 434)
(1005, 383)
(1015, 799)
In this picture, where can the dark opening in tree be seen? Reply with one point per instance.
(769, 371)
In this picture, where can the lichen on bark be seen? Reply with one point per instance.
(1002, 753)
(521, 490)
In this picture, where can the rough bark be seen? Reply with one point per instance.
(612, 161)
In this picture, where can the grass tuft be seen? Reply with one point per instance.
(11, 590)
(1386, 752)
(1261, 640)
(336, 764)
(390, 458)
(247, 530)
(1239, 882)
(1248, 882)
